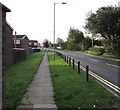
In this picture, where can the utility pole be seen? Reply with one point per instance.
(92, 40)
(15, 39)
(54, 28)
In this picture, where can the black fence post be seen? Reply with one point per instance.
(78, 67)
(73, 64)
(65, 58)
(87, 73)
(69, 61)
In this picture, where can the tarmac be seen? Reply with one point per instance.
(40, 92)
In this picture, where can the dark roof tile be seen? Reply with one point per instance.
(5, 8)
(33, 41)
(18, 36)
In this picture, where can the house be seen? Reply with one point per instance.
(4, 36)
(98, 46)
(21, 41)
(8, 45)
(34, 45)
(7, 31)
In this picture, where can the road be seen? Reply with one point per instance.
(104, 67)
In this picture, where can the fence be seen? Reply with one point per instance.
(88, 72)
(18, 54)
(72, 61)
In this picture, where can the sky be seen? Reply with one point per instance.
(34, 18)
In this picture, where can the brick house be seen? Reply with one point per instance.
(34, 45)
(9, 45)
(7, 31)
(21, 41)
(5, 48)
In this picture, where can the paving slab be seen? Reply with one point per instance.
(40, 91)
(46, 106)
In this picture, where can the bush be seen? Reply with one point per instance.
(109, 55)
(97, 51)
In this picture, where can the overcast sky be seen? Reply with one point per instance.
(34, 18)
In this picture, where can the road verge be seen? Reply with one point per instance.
(72, 90)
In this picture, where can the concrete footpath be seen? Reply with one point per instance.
(40, 91)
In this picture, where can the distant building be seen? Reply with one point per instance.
(34, 45)
(21, 41)
(96, 46)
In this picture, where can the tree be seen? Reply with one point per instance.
(74, 37)
(46, 43)
(86, 43)
(106, 22)
(59, 41)
(97, 42)
(64, 45)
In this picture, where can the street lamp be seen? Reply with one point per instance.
(54, 27)
(15, 39)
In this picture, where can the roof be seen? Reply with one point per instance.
(33, 41)
(19, 37)
(98, 46)
(9, 25)
(5, 8)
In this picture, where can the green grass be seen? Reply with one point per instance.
(18, 77)
(72, 90)
(111, 56)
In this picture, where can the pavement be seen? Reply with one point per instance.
(40, 92)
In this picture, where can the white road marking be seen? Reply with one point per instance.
(94, 60)
(112, 65)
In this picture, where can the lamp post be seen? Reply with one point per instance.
(54, 27)
(119, 4)
(15, 39)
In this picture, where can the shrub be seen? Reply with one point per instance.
(97, 51)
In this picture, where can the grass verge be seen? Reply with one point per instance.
(110, 56)
(72, 90)
(18, 77)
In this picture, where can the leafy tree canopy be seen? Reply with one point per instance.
(46, 43)
(106, 22)
(75, 36)
(59, 41)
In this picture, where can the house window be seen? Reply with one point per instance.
(16, 41)
(30, 43)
